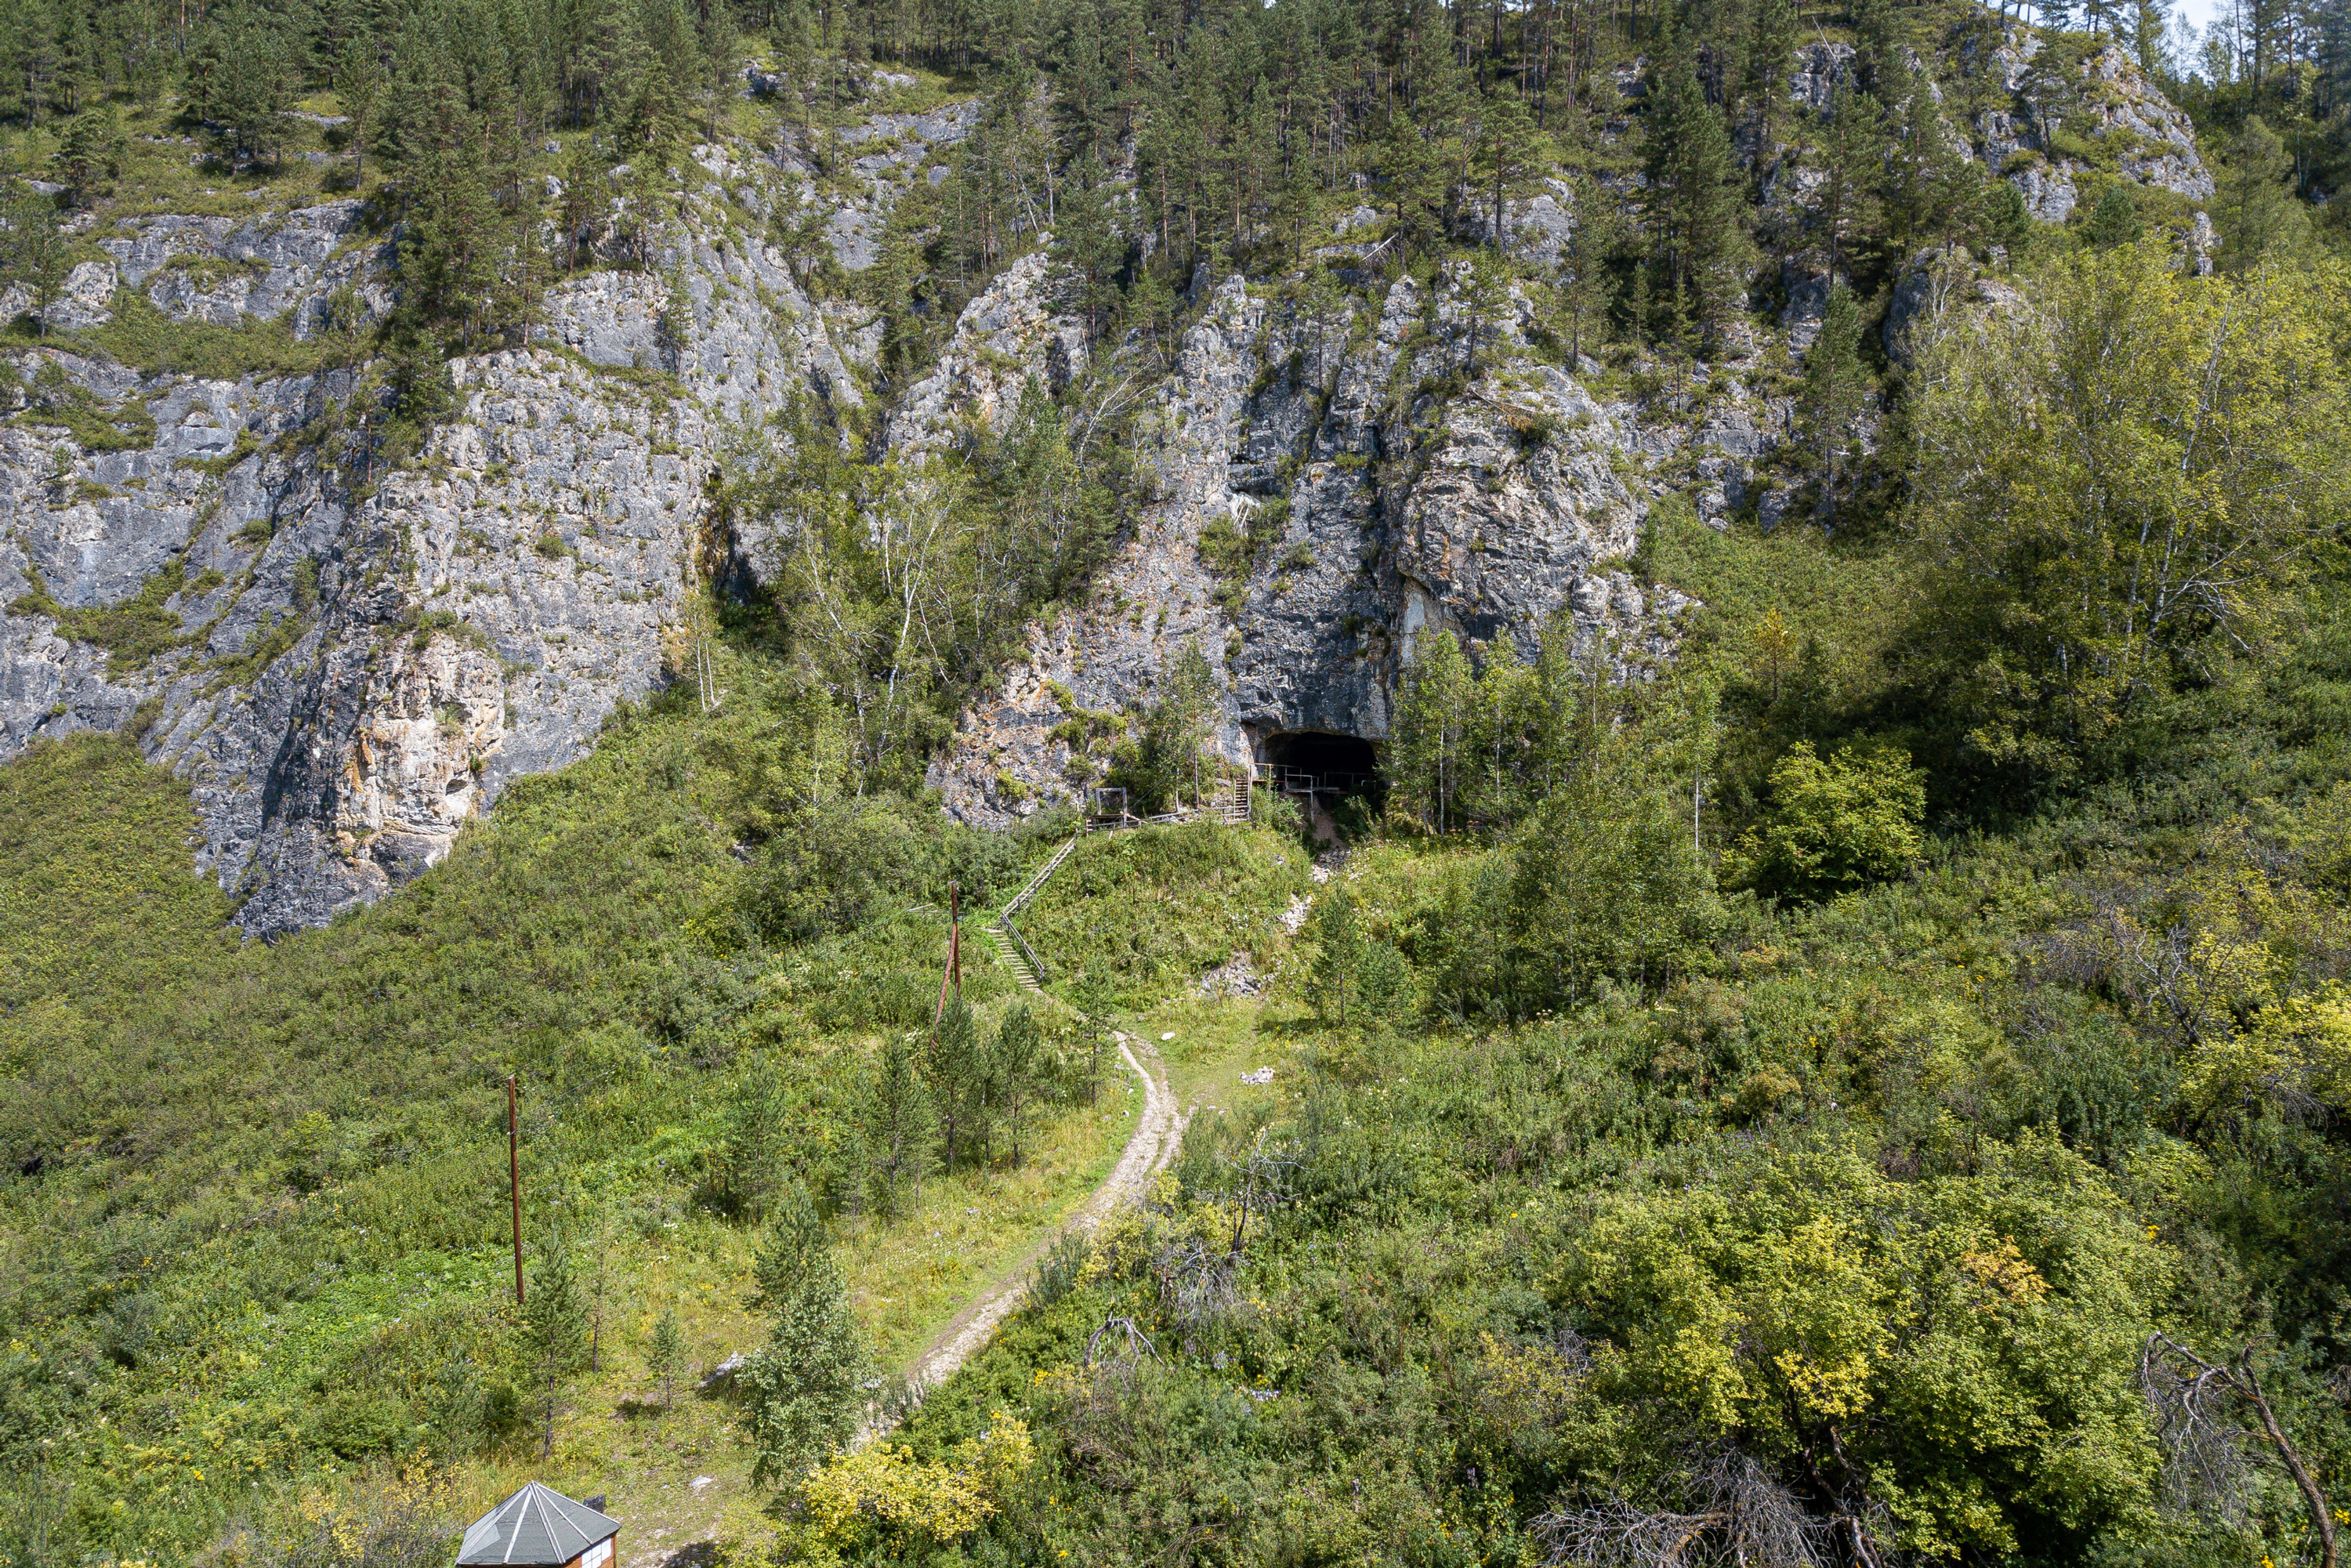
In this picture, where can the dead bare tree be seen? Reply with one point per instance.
(1197, 1282)
(2205, 1462)
(1134, 1341)
(1745, 1517)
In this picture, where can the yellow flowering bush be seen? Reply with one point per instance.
(885, 1487)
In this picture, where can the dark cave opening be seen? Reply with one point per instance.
(1328, 765)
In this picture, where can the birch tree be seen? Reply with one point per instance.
(2120, 481)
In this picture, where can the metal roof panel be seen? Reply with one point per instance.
(537, 1526)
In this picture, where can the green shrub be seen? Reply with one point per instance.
(132, 632)
(1833, 825)
(848, 863)
(145, 338)
(56, 399)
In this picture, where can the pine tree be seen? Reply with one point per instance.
(2149, 28)
(895, 1121)
(802, 1391)
(1257, 166)
(1850, 155)
(1930, 189)
(723, 50)
(2113, 221)
(955, 1075)
(1015, 1073)
(1697, 206)
(1413, 160)
(1837, 384)
(754, 1138)
(1557, 726)
(91, 154)
(664, 1354)
(2257, 212)
(34, 251)
(1884, 30)
(582, 180)
(554, 1327)
(1511, 154)
(1085, 93)
(792, 35)
(244, 76)
(1088, 249)
(1486, 300)
(1774, 27)
(359, 79)
(1338, 952)
(1495, 744)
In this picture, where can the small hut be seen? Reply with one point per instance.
(539, 1527)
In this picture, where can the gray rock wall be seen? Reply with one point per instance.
(358, 675)
(357, 672)
(1482, 512)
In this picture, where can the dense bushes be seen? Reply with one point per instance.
(1836, 823)
(847, 861)
(1487, 1297)
(1186, 899)
(216, 1150)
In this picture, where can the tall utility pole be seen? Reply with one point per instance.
(514, 1182)
(953, 973)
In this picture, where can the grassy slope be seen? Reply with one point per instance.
(1927, 1035)
(266, 1182)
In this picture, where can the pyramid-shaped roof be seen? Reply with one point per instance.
(537, 1526)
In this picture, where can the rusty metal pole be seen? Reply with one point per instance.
(514, 1182)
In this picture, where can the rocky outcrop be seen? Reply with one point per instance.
(1308, 444)
(870, 163)
(220, 269)
(348, 665)
(1536, 226)
(1008, 336)
(346, 674)
(2060, 101)
(1933, 282)
(2061, 112)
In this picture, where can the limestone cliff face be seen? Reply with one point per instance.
(1404, 506)
(346, 672)
(2100, 99)
(1429, 469)
(355, 673)
(1008, 337)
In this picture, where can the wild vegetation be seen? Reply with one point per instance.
(1866, 1084)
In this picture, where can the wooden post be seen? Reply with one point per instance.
(939, 1013)
(514, 1182)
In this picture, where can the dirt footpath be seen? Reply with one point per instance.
(1157, 1131)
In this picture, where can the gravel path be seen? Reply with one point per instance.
(1157, 1132)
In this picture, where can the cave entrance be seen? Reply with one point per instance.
(1313, 762)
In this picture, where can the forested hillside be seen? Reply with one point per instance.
(1777, 571)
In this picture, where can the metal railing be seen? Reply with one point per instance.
(1036, 964)
(1298, 781)
(1020, 900)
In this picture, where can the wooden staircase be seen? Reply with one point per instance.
(1229, 803)
(1019, 901)
(1010, 951)
(1005, 936)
